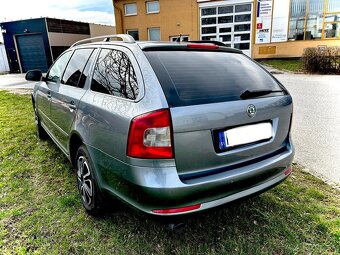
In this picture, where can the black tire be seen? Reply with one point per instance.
(90, 194)
(41, 133)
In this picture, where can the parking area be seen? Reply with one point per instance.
(316, 122)
(14, 81)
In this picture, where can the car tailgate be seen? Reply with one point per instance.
(196, 146)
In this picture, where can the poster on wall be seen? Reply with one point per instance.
(280, 21)
(264, 21)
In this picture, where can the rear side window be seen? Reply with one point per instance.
(115, 75)
(56, 71)
(75, 67)
(197, 77)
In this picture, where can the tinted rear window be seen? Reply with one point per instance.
(196, 77)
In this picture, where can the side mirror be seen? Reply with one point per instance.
(33, 75)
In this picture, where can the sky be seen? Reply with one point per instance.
(95, 11)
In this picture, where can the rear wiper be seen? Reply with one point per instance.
(257, 93)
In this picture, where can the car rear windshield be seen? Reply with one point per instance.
(201, 77)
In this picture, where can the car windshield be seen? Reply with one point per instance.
(200, 77)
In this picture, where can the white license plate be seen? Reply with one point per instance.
(248, 134)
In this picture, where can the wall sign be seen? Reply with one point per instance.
(280, 21)
(264, 21)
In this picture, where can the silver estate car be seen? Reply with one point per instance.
(168, 128)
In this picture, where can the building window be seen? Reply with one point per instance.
(134, 33)
(208, 11)
(332, 25)
(333, 6)
(314, 19)
(332, 30)
(243, 8)
(154, 34)
(130, 9)
(297, 19)
(152, 7)
(179, 38)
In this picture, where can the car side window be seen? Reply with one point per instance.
(76, 66)
(87, 69)
(115, 75)
(56, 71)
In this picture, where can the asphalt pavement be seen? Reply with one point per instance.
(15, 81)
(316, 119)
(316, 122)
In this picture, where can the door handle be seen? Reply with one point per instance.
(72, 106)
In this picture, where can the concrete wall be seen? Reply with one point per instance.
(288, 49)
(4, 67)
(175, 17)
(98, 30)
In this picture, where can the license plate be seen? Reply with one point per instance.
(245, 134)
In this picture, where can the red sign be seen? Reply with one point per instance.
(259, 25)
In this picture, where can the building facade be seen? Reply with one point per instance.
(260, 28)
(157, 20)
(36, 43)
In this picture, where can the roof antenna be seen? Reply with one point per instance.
(179, 39)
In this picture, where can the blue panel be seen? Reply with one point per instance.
(25, 27)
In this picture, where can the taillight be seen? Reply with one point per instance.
(202, 46)
(150, 135)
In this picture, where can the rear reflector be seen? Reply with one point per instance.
(150, 136)
(177, 210)
(288, 170)
(202, 46)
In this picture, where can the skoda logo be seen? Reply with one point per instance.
(251, 110)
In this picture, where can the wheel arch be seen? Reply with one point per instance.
(75, 142)
(33, 101)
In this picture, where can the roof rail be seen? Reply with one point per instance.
(106, 38)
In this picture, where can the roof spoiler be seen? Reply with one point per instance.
(211, 42)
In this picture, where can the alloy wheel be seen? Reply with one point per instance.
(84, 180)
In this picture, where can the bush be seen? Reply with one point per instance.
(322, 60)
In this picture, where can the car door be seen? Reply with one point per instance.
(66, 98)
(116, 88)
(44, 96)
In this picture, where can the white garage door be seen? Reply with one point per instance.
(228, 23)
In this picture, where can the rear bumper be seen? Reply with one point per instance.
(159, 188)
